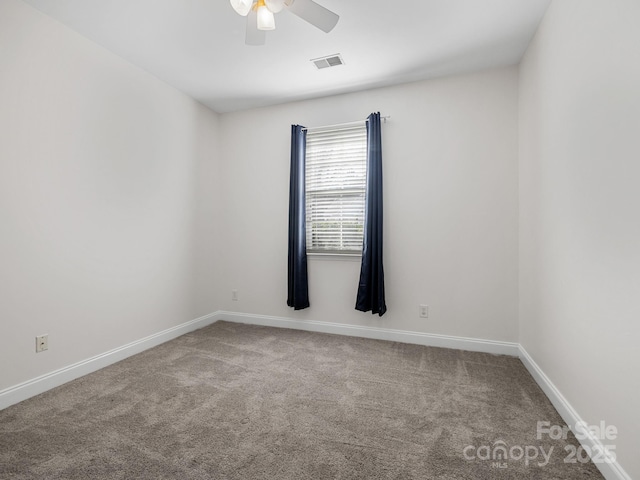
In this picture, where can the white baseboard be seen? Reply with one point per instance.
(23, 391)
(418, 338)
(36, 386)
(41, 384)
(610, 471)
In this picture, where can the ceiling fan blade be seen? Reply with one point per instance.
(313, 13)
(254, 36)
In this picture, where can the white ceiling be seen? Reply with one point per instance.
(198, 45)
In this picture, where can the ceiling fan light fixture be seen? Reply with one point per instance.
(266, 20)
(242, 7)
(260, 16)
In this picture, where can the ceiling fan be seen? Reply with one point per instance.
(260, 17)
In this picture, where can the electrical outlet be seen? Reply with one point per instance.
(424, 311)
(42, 343)
(234, 295)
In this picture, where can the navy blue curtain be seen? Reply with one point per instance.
(371, 286)
(298, 287)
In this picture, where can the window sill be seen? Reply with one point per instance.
(344, 257)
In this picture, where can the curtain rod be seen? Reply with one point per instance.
(347, 124)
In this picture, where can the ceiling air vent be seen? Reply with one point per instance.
(326, 62)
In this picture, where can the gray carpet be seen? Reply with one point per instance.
(234, 401)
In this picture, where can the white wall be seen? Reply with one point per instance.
(580, 211)
(102, 169)
(450, 180)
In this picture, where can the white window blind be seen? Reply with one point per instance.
(336, 175)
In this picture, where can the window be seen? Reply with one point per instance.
(336, 173)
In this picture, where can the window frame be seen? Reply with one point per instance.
(348, 144)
